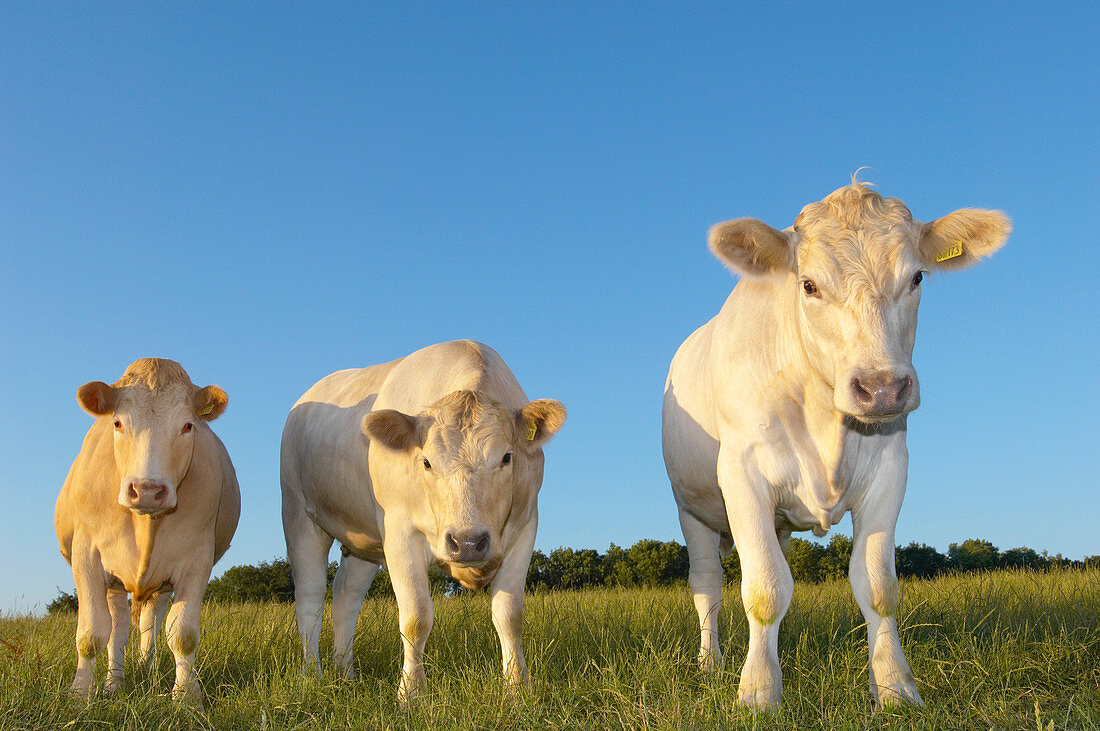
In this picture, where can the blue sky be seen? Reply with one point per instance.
(268, 193)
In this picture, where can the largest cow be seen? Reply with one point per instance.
(432, 459)
(789, 407)
(149, 506)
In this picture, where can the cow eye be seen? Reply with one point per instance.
(188, 427)
(427, 464)
(809, 287)
(507, 458)
(118, 425)
(918, 278)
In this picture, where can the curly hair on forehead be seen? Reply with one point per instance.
(851, 207)
(154, 373)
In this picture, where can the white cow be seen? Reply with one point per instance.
(433, 459)
(150, 504)
(789, 408)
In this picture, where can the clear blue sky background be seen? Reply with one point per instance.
(268, 193)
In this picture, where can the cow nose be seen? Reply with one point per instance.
(467, 547)
(881, 392)
(146, 493)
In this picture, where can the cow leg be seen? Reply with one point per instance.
(766, 582)
(152, 617)
(349, 588)
(120, 631)
(182, 627)
(307, 548)
(93, 621)
(507, 605)
(875, 585)
(705, 580)
(409, 574)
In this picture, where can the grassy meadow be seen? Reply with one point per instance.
(1014, 650)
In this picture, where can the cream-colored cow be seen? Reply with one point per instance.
(150, 504)
(433, 459)
(788, 409)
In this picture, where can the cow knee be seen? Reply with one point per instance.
(184, 641)
(415, 628)
(884, 597)
(89, 644)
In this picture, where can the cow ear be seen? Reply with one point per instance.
(393, 430)
(538, 421)
(210, 402)
(751, 247)
(963, 238)
(97, 398)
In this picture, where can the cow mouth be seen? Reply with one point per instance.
(475, 576)
(153, 512)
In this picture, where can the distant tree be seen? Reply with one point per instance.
(1092, 562)
(617, 569)
(537, 577)
(63, 603)
(267, 582)
(972, 554)
(838, 554)
(1022, 558)
(806, 559)
(919, 560)
(658, 564)
(577, 569)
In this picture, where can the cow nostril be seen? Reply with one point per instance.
(162, 493)
(131, 493)
(904, 388)
(862, 395)
(482, 546)
(452, 545)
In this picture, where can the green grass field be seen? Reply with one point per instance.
(1003, 650)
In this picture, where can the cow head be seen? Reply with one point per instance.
(471, 458)
(154, 410)
(852, 266)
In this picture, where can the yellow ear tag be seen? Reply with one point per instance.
(955, 249)
(206, 410)
(532, 427)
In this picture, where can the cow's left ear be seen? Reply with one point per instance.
(393, 430)
(538, 421)
(97, 398)
(210, 402)
(962, 238)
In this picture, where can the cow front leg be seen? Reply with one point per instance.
(307, 548)
(93, 620)
(349, 588)
(119, 608)
(152, 617)
(875, 586)
(766, 583)
(182, 627)
(705, 580)
(405, 562)
(507, 605)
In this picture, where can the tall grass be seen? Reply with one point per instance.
(1001, 650)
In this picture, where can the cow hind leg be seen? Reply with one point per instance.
(349, 588)
(152, 617)
(705, 580)
(307, 548)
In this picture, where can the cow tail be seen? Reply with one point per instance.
(135, 610)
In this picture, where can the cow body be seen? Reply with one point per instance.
(149, 505)
(788, 409)
(433, 459)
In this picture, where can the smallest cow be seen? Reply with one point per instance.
(433, 459)
(150, 504)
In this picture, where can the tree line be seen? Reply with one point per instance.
(647, 563)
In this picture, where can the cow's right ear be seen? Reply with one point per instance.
(97, 398)
(751, 247)
(393, 430)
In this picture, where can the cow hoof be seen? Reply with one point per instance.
(759, 698)
(112, 685)
(83, 692)
(191, 694)
(897, 695)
